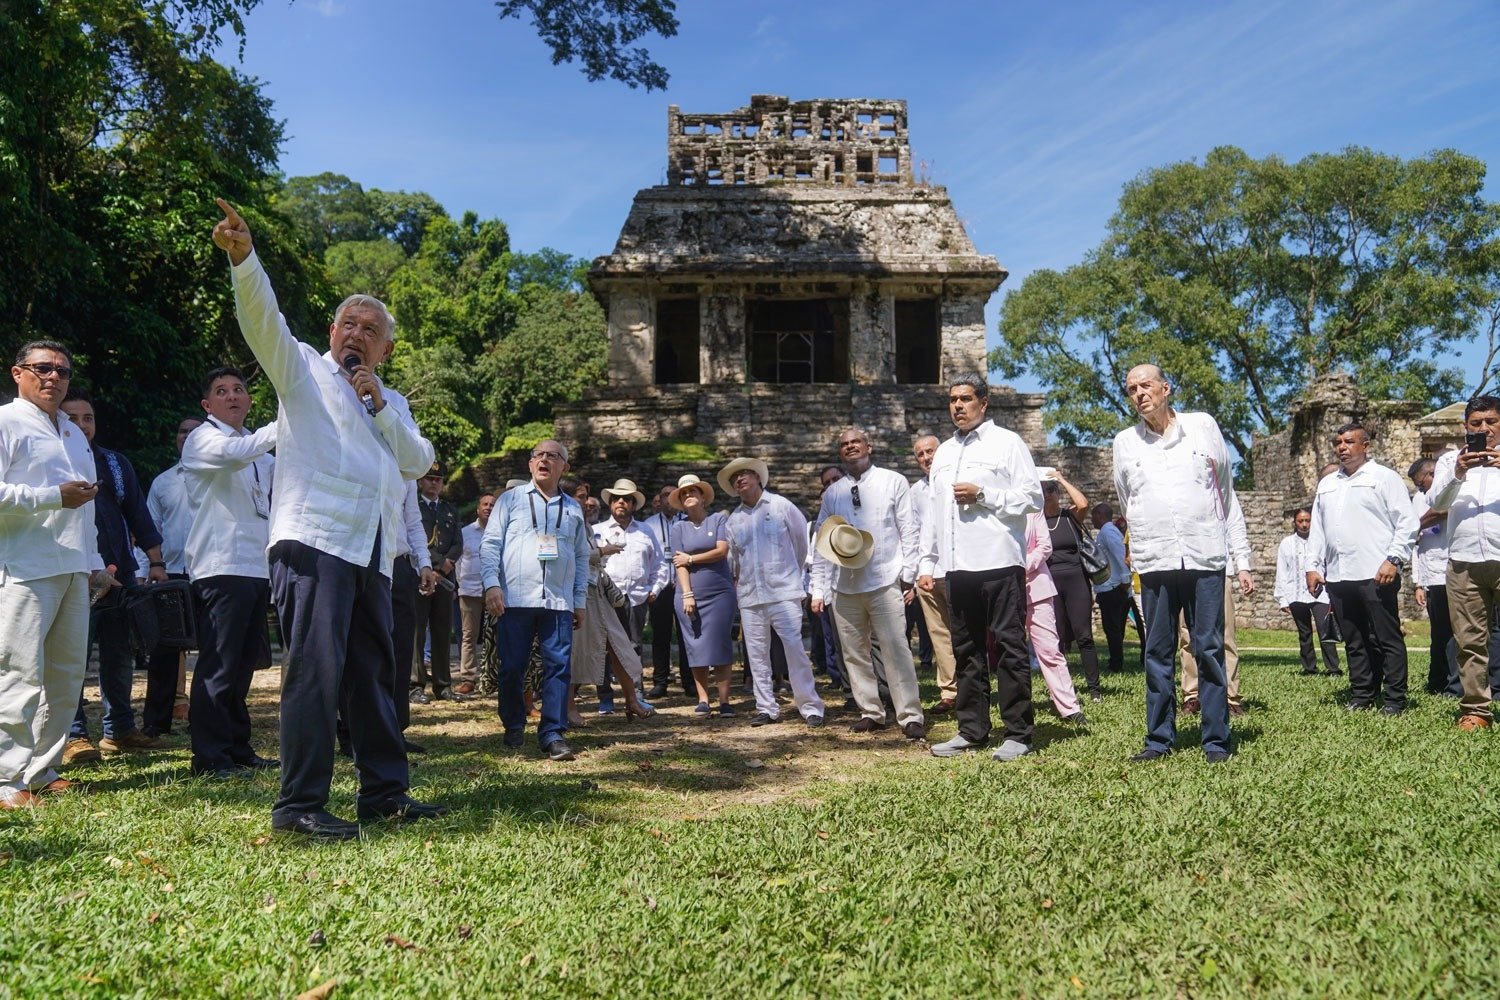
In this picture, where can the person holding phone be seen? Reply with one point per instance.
(1466, 485)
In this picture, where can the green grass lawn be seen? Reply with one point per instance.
(1333, 856)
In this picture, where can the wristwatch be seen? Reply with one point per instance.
(979, 496)
(1396, 561)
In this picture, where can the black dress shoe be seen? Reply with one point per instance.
(1216, 756)
(414, 747)
(558, 750)
(451, 695)
(401, 809)
(1359, 706)
(419, 698)
(514, 740)
(1390, 709)
(258, 763)
(658, 691)
(226, 772)
(1149, 754)
(762, 719)
(914, 731)
(866, 725)
(317, 826)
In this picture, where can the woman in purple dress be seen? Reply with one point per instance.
(705, 590)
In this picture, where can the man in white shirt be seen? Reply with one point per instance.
(1429, 572)
(1362, 535)
(869, 600)
(1173, 478)
(167, 674)
(768, 546)
(1466, 484)
(227, 473)
(346, 445)
(983, 485)
(934, 602)
(1308, 610)
(49, 560)
(633, 558)
(471, 596)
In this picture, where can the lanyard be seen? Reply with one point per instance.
(531, 503)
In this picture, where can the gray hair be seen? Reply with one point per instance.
(974, 380)
(863, 436)
(368, 302)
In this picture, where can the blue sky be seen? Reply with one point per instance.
(1033, 115)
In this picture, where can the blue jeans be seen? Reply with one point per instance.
(1198, 595)
(553, 632)
(110, 627)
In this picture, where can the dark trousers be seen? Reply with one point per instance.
(404, 580)
(1075, 617)
(826, 653)
(914, 617)
(336, 621)
(232, 642)
(433, 611)
(1442, 652)
(992, 601)
(1197, 596)
(1115, 606)
(1312, 625)
(110, 628)
(161, 684)
(1371, 624)
(663, 627)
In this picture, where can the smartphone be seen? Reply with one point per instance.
(1476, 441)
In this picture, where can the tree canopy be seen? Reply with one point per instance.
(1245, 278)
(600, 33)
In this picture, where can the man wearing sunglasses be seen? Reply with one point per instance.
(346, 446)
(47, 552)
(869, 600)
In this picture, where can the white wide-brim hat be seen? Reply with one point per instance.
(842, 543)
(755, 465)
(623, 488)
(690, 482)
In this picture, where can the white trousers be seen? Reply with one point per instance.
(785, 619)
(44, 633)
(881, 614)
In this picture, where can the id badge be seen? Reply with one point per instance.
(258, 498)
(546, 547)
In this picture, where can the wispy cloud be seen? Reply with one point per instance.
(328, 8)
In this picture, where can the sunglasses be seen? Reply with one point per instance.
(854, 495)
(42, 369)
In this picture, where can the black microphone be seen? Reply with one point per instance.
(351, 362)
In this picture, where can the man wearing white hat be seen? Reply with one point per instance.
(866, 566)
(632, 557)
(768, 544)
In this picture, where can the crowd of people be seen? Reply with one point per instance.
(998, 565)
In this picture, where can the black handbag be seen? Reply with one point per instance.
(1095, 563)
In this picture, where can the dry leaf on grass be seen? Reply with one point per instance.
(322, 991)
(527, 959)
(261, 841)
(465, 931)
(400, 942)
(90, 979)
(755, 763)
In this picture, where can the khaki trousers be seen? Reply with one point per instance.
(1472, 590)
(935, 611)
(881, 615)
(470, 611)
(44, 628)
(1231, 650)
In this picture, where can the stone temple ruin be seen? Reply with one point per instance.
(791, 278)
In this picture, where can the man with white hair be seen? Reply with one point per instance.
(1174, 481)
(346, 445)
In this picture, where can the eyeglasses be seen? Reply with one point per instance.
(42, 369)
(854, 495)
(551, 456)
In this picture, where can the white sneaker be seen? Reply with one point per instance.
(1011, 749)
(954, 747)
